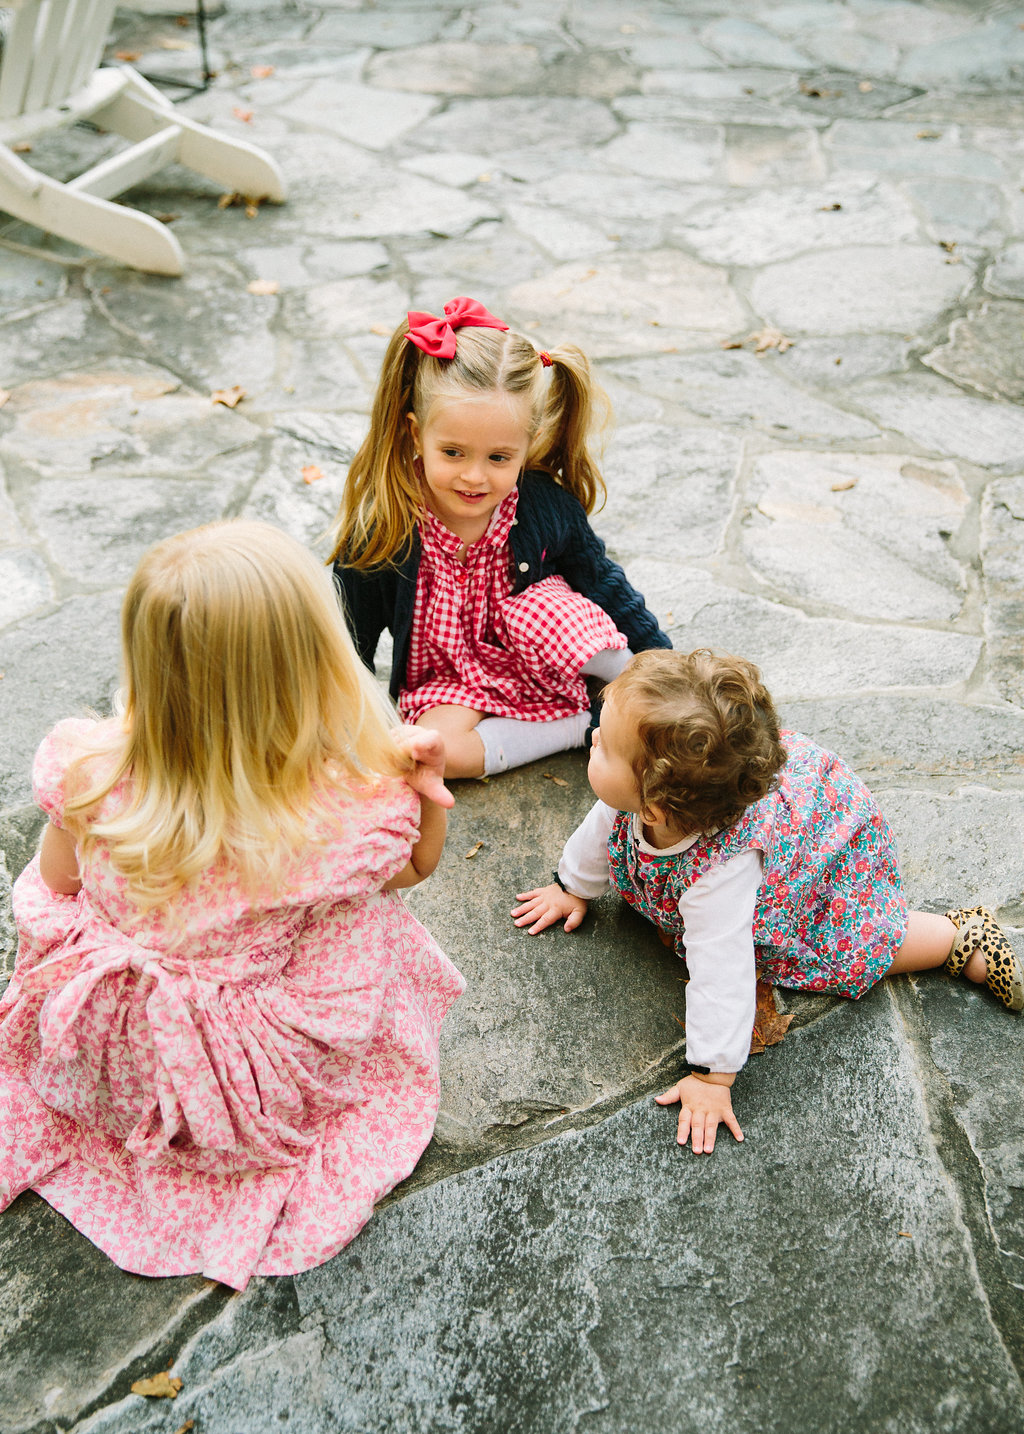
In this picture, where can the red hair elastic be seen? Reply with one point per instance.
(545, 358)
(436, 337)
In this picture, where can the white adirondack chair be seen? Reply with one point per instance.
(50, 76)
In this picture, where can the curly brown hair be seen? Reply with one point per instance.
(707, 733)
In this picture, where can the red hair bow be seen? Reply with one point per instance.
(437, 336)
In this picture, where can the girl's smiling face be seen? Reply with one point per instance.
(473, 451)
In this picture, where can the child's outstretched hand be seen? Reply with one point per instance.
(545, 905)
(706, 1104)
(426, 748)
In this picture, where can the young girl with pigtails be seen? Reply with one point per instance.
(463, 530)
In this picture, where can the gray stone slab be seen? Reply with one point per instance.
(24, 584)
(130, 418)
(96, 530)
(281, 495)
(910, 149)
(842, 360)
(380, 28)
(359, 113)
(844, 49)
(865, 533)
(509, 1062)
(481, 264)
(686, 153)
(944, 420)
(632, 303)
(757, 154)
(296, 266)
(896, 739)
(800, 656)
(1002, 562)
(759, 228)
(686, 476)
(459, 67)
(636, 209)
(940, 872)
(984, 351)
(738, 388)
(743, 42)
(8, 935)
(559, 233)
(946, 106)
(1006, 276)
(987, 59)
(233, 344)
(960, 212)
(747, 97)
(851, 289)
(906, 24)
(969, 1037)
(682, 51)
(548, 123)
(58, 666)
(54, 338)
(26, 283)
(346, 307)
(589, 1289)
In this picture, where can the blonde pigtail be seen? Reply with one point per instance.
(576, 404)
(382, 495)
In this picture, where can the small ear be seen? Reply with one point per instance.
(414, 429)
(654, 816)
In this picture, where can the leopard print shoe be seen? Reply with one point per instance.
(978, 930)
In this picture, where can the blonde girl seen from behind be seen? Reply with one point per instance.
(222, 1017)
(758, 853)
(463, 530)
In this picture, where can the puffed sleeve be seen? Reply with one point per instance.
(51, 761)
(376, 841)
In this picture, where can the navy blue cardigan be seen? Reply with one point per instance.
(550, 534)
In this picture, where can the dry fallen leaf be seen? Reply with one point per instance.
(829, 208)
(251, 209)
(311, 473)
(184, 1428)
(765, 339)
(948, 244)
(240, 114)
(769, 1026)
(261, 72)
(166, 218)
(161, 1386)
(473, 850)
(865, 87)
(905, 1233)
(558, 781)
(129, 56)
(23, 146)
(816, 92)
(731, 344)
(229, 397)
(166, 42)
(929, 134)
(4, 396)
(263, 286)
(847, 484)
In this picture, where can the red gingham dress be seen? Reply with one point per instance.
(475, 644)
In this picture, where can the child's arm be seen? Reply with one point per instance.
(583, 870)
(426, 747)
(588, 569)
(58, 861)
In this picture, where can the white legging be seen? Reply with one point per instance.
(510, 743)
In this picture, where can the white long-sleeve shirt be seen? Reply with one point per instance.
(718, 914)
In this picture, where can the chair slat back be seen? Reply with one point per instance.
(52, 49)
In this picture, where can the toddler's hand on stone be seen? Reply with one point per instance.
(545, 905)
(705, 1104)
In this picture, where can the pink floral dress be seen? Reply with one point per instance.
(225, 1085)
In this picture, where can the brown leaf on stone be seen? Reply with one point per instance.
(848, 483)
(168, 42)
(242, 114)
(128, 56)
(161, 1386)
(229, 397)
(906, 1233)
(473, 850)
(765, 339)
(166, 218)
(262, 286)
(769, 1026)
(4, 396)
(865, 87)
(558, 781)
(816, 92)
(261, 72)
(731, 344)
(184, 1428)
(829, 208)
(251, 209)
(24, 146)
(928, 134)
(311, 473)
